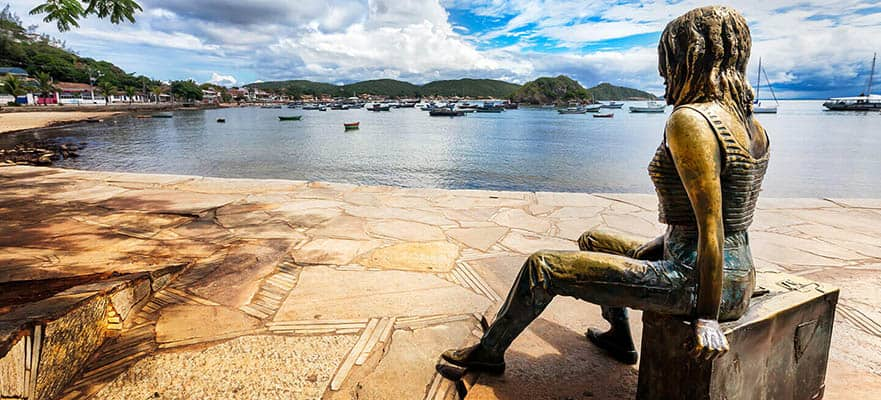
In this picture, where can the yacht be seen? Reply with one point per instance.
(650, 107)
(864, 102)
(758, 106)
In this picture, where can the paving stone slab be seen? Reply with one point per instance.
(324, 293)
(235, 279)
(333, 251)
(519, 219)
(481, 238)
(186, 321)
(406, 230)
(408, 367)
(528, 243)
(438, 256)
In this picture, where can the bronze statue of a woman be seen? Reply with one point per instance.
(707, 173)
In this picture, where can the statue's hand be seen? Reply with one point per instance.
(709, 340)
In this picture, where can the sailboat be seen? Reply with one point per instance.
(864, 102)
(758, 107)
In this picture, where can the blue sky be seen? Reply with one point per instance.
(810, 49)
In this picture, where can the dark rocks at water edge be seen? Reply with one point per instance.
(39, 153)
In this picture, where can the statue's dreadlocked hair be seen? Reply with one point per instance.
(703, 57)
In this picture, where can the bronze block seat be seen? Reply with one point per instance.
(779, 348)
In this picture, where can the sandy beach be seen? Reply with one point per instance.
(12, 122)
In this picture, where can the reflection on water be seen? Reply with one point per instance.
(814, 153)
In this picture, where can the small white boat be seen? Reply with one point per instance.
(613, 104)
(593, 108)
(572, 110)
(650, 107)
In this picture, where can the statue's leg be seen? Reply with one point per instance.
(617, 340)
(599, 278)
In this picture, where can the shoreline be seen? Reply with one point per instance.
(34, 118)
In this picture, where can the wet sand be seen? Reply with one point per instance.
(19, 121)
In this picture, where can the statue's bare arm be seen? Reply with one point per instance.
(695, 151)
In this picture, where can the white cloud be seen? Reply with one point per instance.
(802, 42)
(222, 80)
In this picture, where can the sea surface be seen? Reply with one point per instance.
(814, 153)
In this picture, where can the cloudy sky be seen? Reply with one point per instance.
(810, 49)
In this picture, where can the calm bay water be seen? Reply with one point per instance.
(814, 152)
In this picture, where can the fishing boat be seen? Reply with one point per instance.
(221, 120)
(351, 125)
(758, 106)
(290, 118)
(379, 107)
(609, 115)
(572, 110)
(591, 108)
(864, 102)
(612, 104)
(446, 112)
(650, 107)
(162, 115)
(489, 109)
(511, 106)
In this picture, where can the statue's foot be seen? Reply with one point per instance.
(476, 358)
(620, 347)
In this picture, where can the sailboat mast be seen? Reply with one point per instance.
(759, 79)
(871, 75)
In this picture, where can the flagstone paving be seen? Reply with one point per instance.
(290, 289)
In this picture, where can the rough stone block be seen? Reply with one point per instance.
(779, 349)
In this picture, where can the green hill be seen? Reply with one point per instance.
(607, 91)
(297, 87)
(563, 89)
(550, 90)
(394, 88)
(470, 88)
(40, 53)
(384, 87)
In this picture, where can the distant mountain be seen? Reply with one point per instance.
(562, 89)
(382, 87)
(470, 88)
(394, 88)
(548, 90)
(607, 91)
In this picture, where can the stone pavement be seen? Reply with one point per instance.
(288, 289)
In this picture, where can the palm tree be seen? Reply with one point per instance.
(45, 84)
(130, 92)
(157, 91)
(107, 89)
(13, 86)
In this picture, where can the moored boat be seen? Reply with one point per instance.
(162, 115)
(591, 108)
(609, 115)
(650, 107)
(572, 110)
(290, 118)
(864, 102)
(351, 125)
(758, 106)
(612, 104)
(221, 120)
(446, 112)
